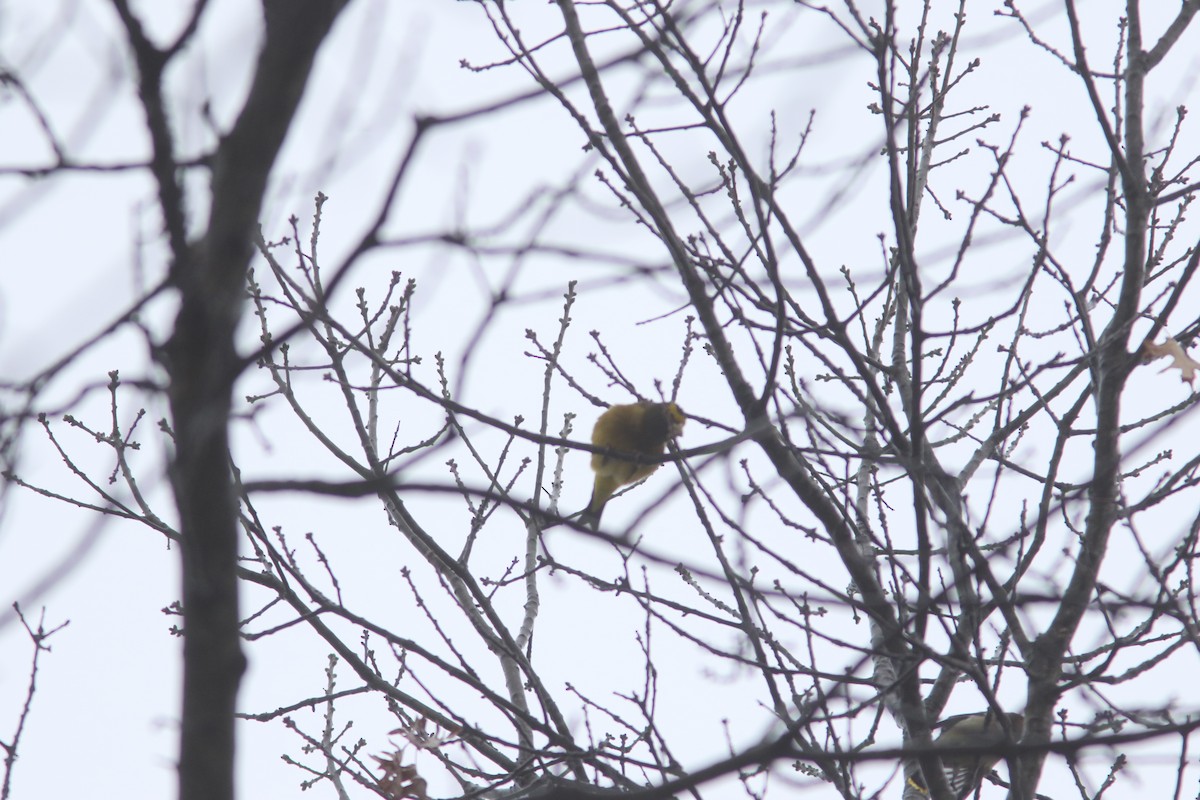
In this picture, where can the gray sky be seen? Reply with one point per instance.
(73, 254)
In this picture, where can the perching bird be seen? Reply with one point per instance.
(964, 771)
(637, 428)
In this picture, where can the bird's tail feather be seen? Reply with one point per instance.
(590, 516)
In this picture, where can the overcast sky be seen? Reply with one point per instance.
(74, 253)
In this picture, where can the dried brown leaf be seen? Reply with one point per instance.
(1180, 360)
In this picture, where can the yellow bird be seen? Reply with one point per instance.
(640, 429)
